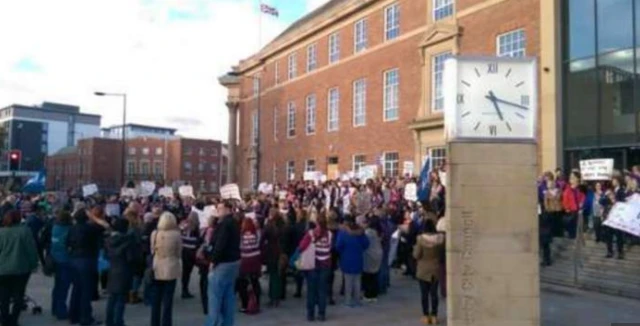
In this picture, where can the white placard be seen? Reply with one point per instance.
(625, 217)
(112, 210)
(166, 192)
(205, 214)
(367, 172)
(89, 190)
(265, 188)
(186, 191)
(282, 194)
(599, 169)
(323, 178)
(292, 176)
(129, 192)
(345, 177)
(407, 168)
(411, 192)
(230, 191)
(147, 188)
(443, 178)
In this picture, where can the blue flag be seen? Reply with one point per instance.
(36, 184)
(424, 186)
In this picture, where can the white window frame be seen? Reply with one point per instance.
(292, 66)
(160, 170)
(312, 57)
(390, 96)
(254, 128)
(310, 167)
(148, 165)
(276, 72)
(516, 40)
(360, 36)
(437, 155)
(254, 175)
(334, 47)
(333, 109)
(311, 104)
(275, 123)
(437, 69)
(389, 166)
(360, 103)
(441, 9)
(356, 165)
(392, 22)
(131, 167)
(290, 168)
(291, 120)
(256, 85)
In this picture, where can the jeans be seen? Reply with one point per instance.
(83, 272)
(384, 276)
(60, 292)
(242, 287)
(370, 285)
(571, 224)
(162, 307)
(115, 309)
(317, 290)
(352, 289)
(222, 297)
(12, 291)
(429, 297)
(188, 262)
(610, 233)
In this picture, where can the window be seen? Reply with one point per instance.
(254, 175)
(334, 47)
(512, 44)
(213, 186)
(157, 168)
(291, 170)
(291, 120)
(275, 123)
(254, 128)
(437, 68)
(200, 167)
(442, 9)
(311, 115)
(276, 77)
(202, 185)
(202, 151)
(392, 22)
(358, 162)
(214, 167)
(390, 96)
(131, 167)
(333, 103)
(187, 167)
(310, 166)
(438, 156)
(275, 174)
(132, 151)
(214, 152)
(256, 85)
(312, 57)
(144, 167)
(188, 151)
(292, 66)
(359, 102)
(360, 35)
(158, 150)
(391, 164)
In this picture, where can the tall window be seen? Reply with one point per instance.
(360, 35)
(311, 115)
(292, 66)
(312, 57)
(214, 167)
(392, 22)
(437, 68)
(391, 164)
(291, 120)
(358, 162)
(256, 85)
(254, 175)
(276, 73)
(201, 167)
(310, 166)
(438, 156)
(274, 174)
(187, 167)
(333, 108)
(144, 168)
(157, 168)
(334, 47)
(291, 169)
(390, 96)
(359, 102)
(275, 123)
(131, 167)
(213, 186)
(512, 44)
(442, 9)
(254, 128)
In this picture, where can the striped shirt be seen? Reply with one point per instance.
(250, 245)
(190, 240)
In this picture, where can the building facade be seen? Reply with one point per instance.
(133, 130)
(357, 83)
(38, 131)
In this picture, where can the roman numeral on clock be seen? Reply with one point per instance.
(493, 130)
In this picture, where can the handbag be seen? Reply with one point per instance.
(307, 259)
(149, 275)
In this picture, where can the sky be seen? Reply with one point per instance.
(166, 55)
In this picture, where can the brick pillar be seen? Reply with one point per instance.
(231, 160)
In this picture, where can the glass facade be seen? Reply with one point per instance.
(601, 80)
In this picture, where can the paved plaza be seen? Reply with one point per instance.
(560, 307)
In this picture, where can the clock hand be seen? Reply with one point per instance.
(522, 107)
(493, 99)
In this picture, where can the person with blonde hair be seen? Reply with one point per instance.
(166, 250)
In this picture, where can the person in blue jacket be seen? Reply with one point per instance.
(351, 245)
(60, 254)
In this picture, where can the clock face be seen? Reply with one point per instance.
(494, 98)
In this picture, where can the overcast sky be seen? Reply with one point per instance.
(165, 54)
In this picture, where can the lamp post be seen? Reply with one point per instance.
(124, 122)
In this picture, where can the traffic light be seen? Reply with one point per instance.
(15, 158)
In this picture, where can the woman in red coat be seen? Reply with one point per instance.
(572, 201)
(250, 262)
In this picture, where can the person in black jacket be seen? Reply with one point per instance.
(224, 253)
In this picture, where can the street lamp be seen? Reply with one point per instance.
(124, 122)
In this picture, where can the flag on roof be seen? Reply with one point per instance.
(269, 10)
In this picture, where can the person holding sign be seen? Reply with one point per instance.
(611, 198)
(572, 201)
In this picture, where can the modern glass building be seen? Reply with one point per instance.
(601, 80)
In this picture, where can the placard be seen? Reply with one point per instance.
(129, 192)
(282, 194)
(312, 176)
(625, 217)
(89, 190)
(186, 191)
(205, 214)
(367, 172)
(407, 168)
(147, 188)
(265, 188)
(230, 191)
(598, 169)
(411, 192)
(112, 210)
(166, 192)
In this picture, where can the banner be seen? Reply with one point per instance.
(407, 168)
(166, 192)
(230, 191)
(311, 176)
(129, 192)
(599, 169)
(411, 192)
(89, 190)
(625, 217)
(186, 191)
(147, 188)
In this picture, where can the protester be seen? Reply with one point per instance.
(598, 210)
(203, 261)
(427, 253)
(351, 244)
(617, 194)
(250, 264)
(372, 259)
(276, 260)
(572, 202)
(166, 249)
(135, 231)
(190, 230)
(63, 272)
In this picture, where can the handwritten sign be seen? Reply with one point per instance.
(599, 169)
(166, 192)
(625, 217)
(230, 191)
(205, 214)
(129, 192)
(407, 168)
(282, 194)
(411, 192)
(112, 209)
(89, 190)
(147, 188)
(265, 188)
(186, 191)
(367, 172)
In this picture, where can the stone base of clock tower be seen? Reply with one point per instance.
(492, 238)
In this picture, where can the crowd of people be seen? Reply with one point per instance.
(295, 239)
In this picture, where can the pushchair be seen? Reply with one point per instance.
(30, 303)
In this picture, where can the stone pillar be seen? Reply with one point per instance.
(492, 237)
(232, 140)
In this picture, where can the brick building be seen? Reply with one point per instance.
(174, 161)
(360, 82)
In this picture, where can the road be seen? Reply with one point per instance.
(560, 307)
